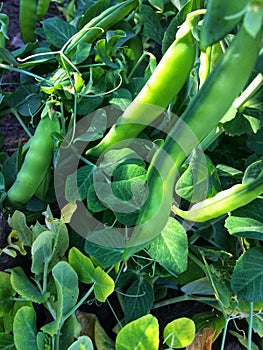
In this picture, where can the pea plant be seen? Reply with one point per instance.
(141, 181)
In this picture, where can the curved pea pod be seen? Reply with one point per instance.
(202, 115)
(94, 28)
(220, 19)
(42, 8)
(28, 19)
(161, 89)
(228, 200)
(36, 163)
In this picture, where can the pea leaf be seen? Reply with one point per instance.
(247, 221)
(151, 24)
(57, 31)
(142, 333)
(41, 251)
(83, 343)
(6, 293)
(247, 277)
(104, 284)
(7, 342)
(255, 142)
(82, 265)
(179, 333)
(22, 285)
(138, 299)
(170, 248)
(77, 184)
(25, 329)
(18, 223)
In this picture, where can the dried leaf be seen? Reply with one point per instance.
(203, 340)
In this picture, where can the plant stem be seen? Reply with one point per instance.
(249, 91)
(250, 326)
(224, 334)
(182, 298)
(14, 112)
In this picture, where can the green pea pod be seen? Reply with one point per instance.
(221, 18)
(94, 28)
(161, 89)
(224, 201)
(202, 115)
(28, 20)
(42, 7)
(36, 163)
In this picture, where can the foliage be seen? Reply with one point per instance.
(84, 69)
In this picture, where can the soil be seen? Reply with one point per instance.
(14, 135)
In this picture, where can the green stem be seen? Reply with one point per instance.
(75, 308)
(14, 112)
(249, 91)
(22, 71)
(250, 326)
(224, 334)
(182, 298)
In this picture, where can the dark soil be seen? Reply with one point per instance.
(14, 135)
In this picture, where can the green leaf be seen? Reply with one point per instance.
(66, 280)
(18, 223)
(212, 319)
(7, 342)
(247, 221)
(253, 18)
(258, 324)
(25, 329)
(104, 284)
(140, 334)
(82, 265)
(77, 184)
(57, 31)
(179, 333)
(108, 248)
(247, 277)
(200, 179)
(6, 293)
(243, 340)
(121, 98)
(170, 248)
(138, 299)
(41, 251)
(97, 127)
(255, 142)
(83, 343)
(151, 24)
(22, 285)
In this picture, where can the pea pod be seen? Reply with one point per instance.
(42, 7)
(224, 201)
(161, 89)
(28, 19)
(103, 22)
(209, 105)
(221, 17)
(36, 163)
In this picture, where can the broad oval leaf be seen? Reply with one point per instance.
(138, 299)
(170, 248)
(104, 284)
(140, 334)
(25, 329)
(83, 343)
(247, 277)
(41, 251)
(82, 265)
(6, 293)
(179, 333)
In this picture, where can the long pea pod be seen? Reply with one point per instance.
(161, 89)
(28, 19)
(220, 19)
(42, 7)
(103, 22)
(225, 201)
(202, 115)
(36, 163)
